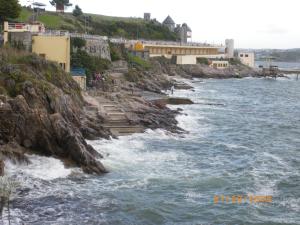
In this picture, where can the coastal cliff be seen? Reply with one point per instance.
(40, 113)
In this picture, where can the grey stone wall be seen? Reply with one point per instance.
(98, 47)
(21, 40)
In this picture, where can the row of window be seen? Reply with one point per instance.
(220, 64)
(183, 51)
(242, 55)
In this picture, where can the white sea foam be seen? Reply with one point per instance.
(45, 168)
(135, 156)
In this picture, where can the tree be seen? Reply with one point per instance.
(9, 9)
(77, 11)
(78, 43)
(60, 4)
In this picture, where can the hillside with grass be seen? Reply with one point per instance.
(130, 28)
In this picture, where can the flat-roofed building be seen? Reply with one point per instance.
(15, 28)
(184, 53)
(79, 75)
(247, 58)
(53, 48)
(219, 64)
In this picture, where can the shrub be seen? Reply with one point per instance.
(202, 60)
(235, 62)
(138, 62)
(77, 11)
(91, 64)
(132, 76)
(114, 53)
(78, 42)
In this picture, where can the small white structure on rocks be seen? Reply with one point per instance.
(247, 58)
(219, 64)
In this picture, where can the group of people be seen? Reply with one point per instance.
(103, 81)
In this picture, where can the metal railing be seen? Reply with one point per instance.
(17, 26)
(88, 36)
(149, 42)
(54, 33)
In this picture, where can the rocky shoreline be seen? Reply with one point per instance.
(43, 111)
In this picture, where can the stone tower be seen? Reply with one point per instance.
(147, 16)
(229, 50)
(169, 23)
(183, 32)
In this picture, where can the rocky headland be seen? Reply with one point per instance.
(43, 111)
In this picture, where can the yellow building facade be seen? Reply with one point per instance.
(185, 54)
(53, 48)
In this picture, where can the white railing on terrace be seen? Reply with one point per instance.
(196, 44)
(126, 41)
(17, 26)
(89, 36)
(55, 33)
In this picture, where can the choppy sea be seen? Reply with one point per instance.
(243, 139)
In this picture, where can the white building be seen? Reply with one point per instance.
(219, 64)
(247, 58)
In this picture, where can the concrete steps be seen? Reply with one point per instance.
(117, 122)
(126, 130)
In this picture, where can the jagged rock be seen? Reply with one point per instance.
(45, 116)
(173, 101)
(14, 152)
(1, 167)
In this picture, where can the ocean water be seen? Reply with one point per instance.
(281, 65)
(243, 138)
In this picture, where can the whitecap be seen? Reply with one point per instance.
(45, 168)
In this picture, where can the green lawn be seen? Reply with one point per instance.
(24, 15)
(51, 21)
(127, 27)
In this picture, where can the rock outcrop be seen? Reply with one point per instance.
(41, 111)
(204, 71)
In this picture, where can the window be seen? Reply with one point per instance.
(93, 49)
(42, 55)
(241, 55)
(246, 55)
(63, 66)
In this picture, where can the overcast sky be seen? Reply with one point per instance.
(251, 23)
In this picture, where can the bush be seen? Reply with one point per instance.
(114, 53)
(203, 61)
(132, 76)
(91, 64)
(235, 62)
(77, 11)
(78, 42)
(135, 61)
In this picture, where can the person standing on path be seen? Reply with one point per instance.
(172, 89)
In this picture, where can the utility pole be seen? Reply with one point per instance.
(85, 24)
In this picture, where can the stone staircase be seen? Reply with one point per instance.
(115, 119)
(117, 122)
